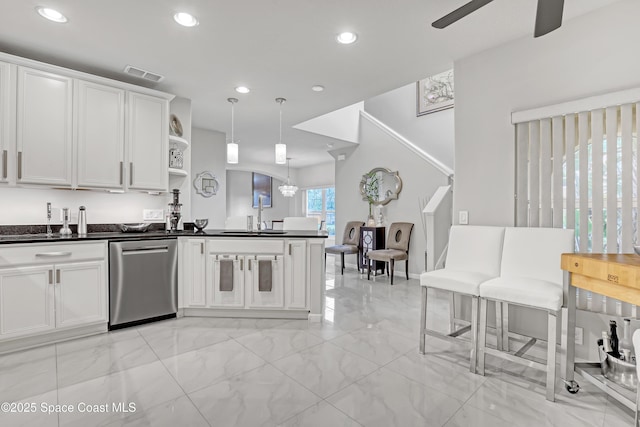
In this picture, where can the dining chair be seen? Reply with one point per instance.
(397, 249)
(350, 243)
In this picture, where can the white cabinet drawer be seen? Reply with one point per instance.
(19, 254)
(245, 246)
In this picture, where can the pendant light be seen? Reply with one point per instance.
(288, 189)
(281, 149)
(232, 146)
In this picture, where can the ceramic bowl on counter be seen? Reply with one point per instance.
(200, 224)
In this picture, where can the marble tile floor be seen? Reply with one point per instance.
(361, 367)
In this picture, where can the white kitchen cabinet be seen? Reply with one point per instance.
(296, 280)
(44, 128)
(7, 108)
(274, 296)
(192, 272)
(52, 287)
(148, 142)
(219, 296)
(80, 293)
(26, 301)
(99, 114)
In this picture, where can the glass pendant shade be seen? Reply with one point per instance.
(288, 189)
(281, 149)
(281, 154)
(232, 146)
(232, 153)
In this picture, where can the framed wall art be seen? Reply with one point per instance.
(261, 185)
(435, 93)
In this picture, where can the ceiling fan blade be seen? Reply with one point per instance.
(459, 13)
(548, 16)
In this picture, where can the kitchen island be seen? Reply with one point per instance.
(55, 288)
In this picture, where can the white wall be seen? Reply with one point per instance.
(592, 54)
(419, 178)
(317, 176)
(23, 206)
(208, 153)
(239, 198)
(431, 132)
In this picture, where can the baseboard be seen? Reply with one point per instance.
(50, 337)
(315, 318)
(251, 314)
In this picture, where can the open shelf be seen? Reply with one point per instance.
(178, 172)
(179, 142)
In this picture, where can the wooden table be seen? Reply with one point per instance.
(612, 275)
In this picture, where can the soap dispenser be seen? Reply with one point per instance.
(82, 222)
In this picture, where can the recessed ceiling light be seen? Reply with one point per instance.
(317, 88)
(243, 89)
(347, 37)
(185, 19)
(51, 14)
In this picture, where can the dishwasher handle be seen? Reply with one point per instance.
(145, 249)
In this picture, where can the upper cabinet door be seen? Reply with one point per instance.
(100, 135)
(44, 128)
(148, 142)
(6, 104)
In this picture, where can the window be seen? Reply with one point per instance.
(321, 204)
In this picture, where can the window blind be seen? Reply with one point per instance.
(579, 171)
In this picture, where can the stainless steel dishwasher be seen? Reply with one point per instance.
(143, 281)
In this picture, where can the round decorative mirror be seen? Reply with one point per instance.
(380, 185)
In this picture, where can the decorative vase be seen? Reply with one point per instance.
(371, 222)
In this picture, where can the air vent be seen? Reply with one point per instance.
(143, 74)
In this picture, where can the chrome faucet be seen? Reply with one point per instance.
(260, 207)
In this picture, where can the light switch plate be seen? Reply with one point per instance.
(153, 214)
(463, 217)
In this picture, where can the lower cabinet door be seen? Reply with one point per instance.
(26, 301)
(265, 281)
(192, 272)
(81, 293)
(296, 275)
(226, 280)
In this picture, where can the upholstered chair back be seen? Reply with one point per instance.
(352, 233)
(399, 236)
(475, 248)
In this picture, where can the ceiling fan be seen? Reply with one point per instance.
(548, 15)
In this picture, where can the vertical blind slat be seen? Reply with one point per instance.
(534, 174)
(570, 137)
(637, 170)
(522, 178)
(546, 218)
(626, 154)
(583, 137)
(557, 127)
(612, 179)
(597, 131)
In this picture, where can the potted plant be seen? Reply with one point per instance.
(372, 192)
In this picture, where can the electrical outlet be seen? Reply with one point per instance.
(579, 336)
(463, 217)
(152, 214)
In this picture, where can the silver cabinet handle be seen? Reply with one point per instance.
(241, 264)
(249, 264)
(50, 277)
(58, 276)
(4, 164)
(130, 173)
(201, 248)
(121, 173)
(289, 248)
(52, 254)
(19, 164)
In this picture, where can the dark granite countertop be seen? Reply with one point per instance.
(156, 234)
